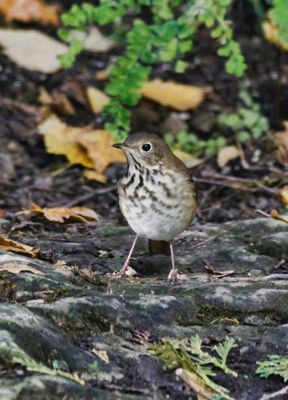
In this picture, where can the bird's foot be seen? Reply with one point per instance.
(126, 270)
(175, 277)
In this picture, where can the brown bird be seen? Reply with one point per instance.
(157, 196)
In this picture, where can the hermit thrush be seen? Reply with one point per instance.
(157, 195)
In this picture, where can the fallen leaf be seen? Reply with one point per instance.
(102, 354)
(91, 148)
(271, 33)
(29, 11)
(280, 141)
(60, 138)
(98, 144)
(227, 154)
(92, 39)
(16, 247)
(15, 268)
(276, 215)
(188, 159)
(57, 100)
(61, 214)
(91, 174)
(97, 99)
(230, 321)
(75, 90)
(178, 96)
(32, 49)
(2, 213)
(103, 74)
(283, 193)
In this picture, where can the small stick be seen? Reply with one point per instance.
(273, 395)
(90, 196)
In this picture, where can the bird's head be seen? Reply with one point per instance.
(147, 149)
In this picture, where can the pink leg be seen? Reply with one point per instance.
(126, 269)
(173, 274)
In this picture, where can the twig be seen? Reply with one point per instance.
(273, 395)
(204, 242)
(90, 196)
(263, 213)
(217, 179)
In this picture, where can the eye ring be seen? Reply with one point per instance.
(146, 147)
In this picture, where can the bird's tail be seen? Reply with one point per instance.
(159, 247)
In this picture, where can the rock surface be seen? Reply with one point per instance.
(70, 329)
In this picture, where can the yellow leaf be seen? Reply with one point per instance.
(62, 139)
(29, 11)
(61, 214)
(188, 159)
(283, 193)
(11, 245)
(227, 154)
(178, 96)
(15, 268)
(91, 148)
(94, 175)
(97, 99)
(98, 144)
(271, 33)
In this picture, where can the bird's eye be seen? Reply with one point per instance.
(146, 147)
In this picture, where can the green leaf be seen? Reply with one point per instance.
(276, 365)
(181, 66)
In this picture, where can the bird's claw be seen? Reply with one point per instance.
(175, 277)
(126, 270)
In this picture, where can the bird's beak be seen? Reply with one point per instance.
(120, 145)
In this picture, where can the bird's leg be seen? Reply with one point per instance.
(126, 269)
(173, 274)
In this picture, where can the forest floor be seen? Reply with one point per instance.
(64, 310)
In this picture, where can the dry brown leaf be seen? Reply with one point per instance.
(15, 268)
(280, 141)
(60, 138)
(44, 97)
(178, 96)
(61, 214)
(58, 100)
(271, 33)
(276, 215)
(283, 193)
(29, 11)
(32, 49)
(98, 144)
(91, 174)
(91, 148)
(16, 247)
(103, 74)
(227, 154)
(189, 160)
(101, 354)
(97, 99)
(230, 321)
(2, 213)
